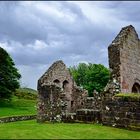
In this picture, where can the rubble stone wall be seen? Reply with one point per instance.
(17, 118)
(51, 103)
(121, 112)
(79, 97)
(83, 115)
(94, 102)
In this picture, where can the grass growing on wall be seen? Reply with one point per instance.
(128, 95)
(33, 130)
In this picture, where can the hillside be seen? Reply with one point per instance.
(26, 93)
(17, 107)
(23, 102)
(28, 90)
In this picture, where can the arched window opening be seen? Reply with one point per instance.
(136, 88)
(72, 102)
(56, 82)
(65, 85)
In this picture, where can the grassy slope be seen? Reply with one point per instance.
(17, 107)
(28, 90)
(33, 130)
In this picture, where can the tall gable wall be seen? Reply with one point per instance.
(124, 58)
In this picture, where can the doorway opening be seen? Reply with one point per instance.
(136, 88)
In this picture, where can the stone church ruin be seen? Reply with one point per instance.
(60, 99)
(58, 93)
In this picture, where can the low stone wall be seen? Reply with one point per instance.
(83, 115)
(88, 115)
(93, 102)
(17, 118)
(69, 118)
(121, 112)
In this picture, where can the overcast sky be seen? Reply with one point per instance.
(36, 34)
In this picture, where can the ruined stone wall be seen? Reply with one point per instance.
(86, 109)
(82, 101)
(88, 115)
(57, 71)
(17, 118)
(124, 62)
(78, 98)
(124, 58)
(121, 112)
(93, 102)
(83, 116)
(51, 104)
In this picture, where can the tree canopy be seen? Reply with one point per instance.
(90, 76)
(9, 75)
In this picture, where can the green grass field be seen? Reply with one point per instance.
(33, 130)
(17, 107)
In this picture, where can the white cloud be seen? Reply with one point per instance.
(6, 47)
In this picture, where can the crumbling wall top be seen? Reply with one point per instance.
(122, 36)
(56, 63)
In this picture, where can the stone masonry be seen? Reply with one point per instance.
(124, 60)
(17, 118)
(121, 112)
(58, 94)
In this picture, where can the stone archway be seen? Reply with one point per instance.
(136, 88)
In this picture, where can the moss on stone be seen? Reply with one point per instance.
(133, 127)
(128, 95)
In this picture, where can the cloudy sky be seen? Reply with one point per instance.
(36, 34)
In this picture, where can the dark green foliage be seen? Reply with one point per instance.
(9, 75)
(90, 76)
(26, 93)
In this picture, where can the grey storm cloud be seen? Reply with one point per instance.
(38, 33)
(25, 24)
(19, 24)
(126, 10)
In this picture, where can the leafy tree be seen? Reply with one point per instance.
(9, 75)
(90, 76)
